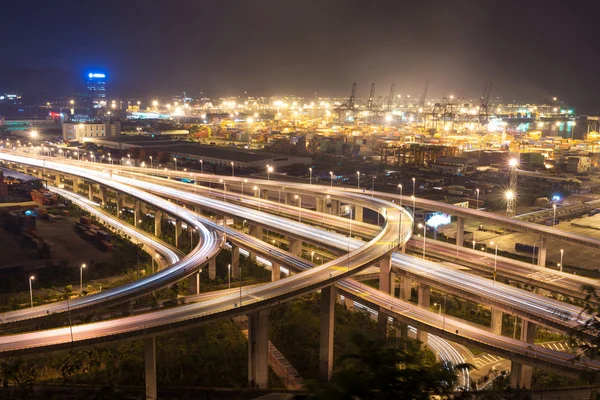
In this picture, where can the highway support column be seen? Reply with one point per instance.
(275, 271)
(335, 207)
(520, 374)
(103, 195)
(424, 301)
(327, 308)
(158, 217)
(137, 213)
(91, 192)
(542, 249)
(258, 349)
(257, 232)
(319, 204)
(460, 231)
(358, 213)
(264, 194)
(57, 180)
(194, 283)
(295, 246)
(177, 232)
(212, 268)
(150, 368)
(405, 288)
(120, 197)
(386, 285)
(235, 262)
(496, 326)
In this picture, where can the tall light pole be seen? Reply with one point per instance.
(424, 236)
(349, 235)
(414, 181)
(331, 178)
(310, 174)
(232, 169)
(358, 180)
(553, 215)
(511, 194)
(201, 166)
(299, 207)
(477, 191)
(31, 278)
(229, 274)
(81, 277)
(533, 254)
(269, 170)
(495, 258)
(562, 253)
(414, 199)
(175, 159)
(150, 162)
(312, 256)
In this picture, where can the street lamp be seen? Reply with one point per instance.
(310, 178)
(562, 253)
(299, 207)
(553, 215)
(232, 169)
(31, 278)
(358, 180)
(495, 258)
(81, 278)
(269, 170)
(331, 177)
(424, 236)
(201, 166)
(474, 243)
(229, 274)
(533, 254)
(312, 256)
(477, 191)
(175, 158)
(414, 182)
(150, 162)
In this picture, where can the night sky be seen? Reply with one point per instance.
(528, 49)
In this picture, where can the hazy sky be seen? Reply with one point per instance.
(528, 49)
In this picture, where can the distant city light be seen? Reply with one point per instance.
(438, 219)
(513, 162)
(509, 195)
(96, 75)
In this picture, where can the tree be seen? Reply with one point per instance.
(383, 370)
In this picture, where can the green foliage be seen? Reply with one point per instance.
(383, 370)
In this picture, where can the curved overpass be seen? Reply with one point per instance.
(209, 245)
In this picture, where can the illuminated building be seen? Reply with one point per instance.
(90, 130)
(96, 88)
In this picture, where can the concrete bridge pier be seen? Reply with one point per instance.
(385, 274)
(542, 250)
(137, 213)
(120, 198)
(103, 195)
(275, 272)
(358, 213)
(235, 262)
(198, 210)
(177, 232)
(295, 246)
(257, 232)
(91, 192)
(496, 326)
(194, 283)
(288, 198)
(319, 204)
(424, 301)
(158, 217)
(57, 180)
(127, 308)
(520, 374)
(327, 308)
(264, 194)
(460, 231)
(258, 348)
(335, 207)
(405, 288)
(212, 268)
(150, 368)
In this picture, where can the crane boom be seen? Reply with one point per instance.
(391, 98)
(424, 96)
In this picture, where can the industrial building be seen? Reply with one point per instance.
(83, 131)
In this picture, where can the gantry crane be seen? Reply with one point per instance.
(348, 105)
